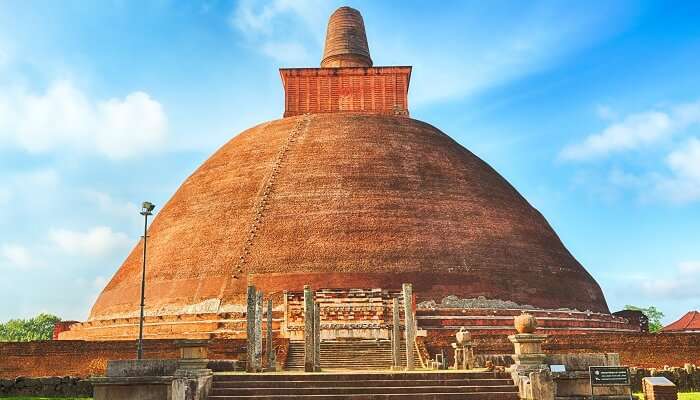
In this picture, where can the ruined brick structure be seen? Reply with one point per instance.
(344, 314)
(85, 358)
(345, 192)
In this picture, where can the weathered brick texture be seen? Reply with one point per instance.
(381, 90)
(83, 358)
(361, 201)
(78, 358)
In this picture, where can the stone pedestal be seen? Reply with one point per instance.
(193, 354)
(528, 355)
(464, 352)
(530, 372)
(192, 380)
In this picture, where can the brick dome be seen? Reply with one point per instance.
(346, 200)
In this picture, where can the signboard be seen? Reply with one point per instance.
(557, 368)
(608, 376)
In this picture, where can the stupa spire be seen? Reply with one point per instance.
(346, 40)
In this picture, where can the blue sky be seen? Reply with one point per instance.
(590, 109)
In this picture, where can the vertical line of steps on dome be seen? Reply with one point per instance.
(346, 354)
(423, 385)
(300, 128)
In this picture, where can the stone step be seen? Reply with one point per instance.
(372, 383)
(350, 354)
(419, 385)
(403, 396)
(361, 376)
(350, 390)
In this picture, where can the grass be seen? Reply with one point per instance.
(681, 396)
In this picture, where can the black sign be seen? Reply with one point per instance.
(603, 376)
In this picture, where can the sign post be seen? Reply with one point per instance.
(610, 376)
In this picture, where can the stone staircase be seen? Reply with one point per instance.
(347, 354)
(365, 385)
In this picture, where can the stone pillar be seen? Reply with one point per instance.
(308, 329)
(410, 326)
(284, 332)
(258, 330)
(250, 329)
(464, 353)
(317, 337)
(268, 343)
(395, 335)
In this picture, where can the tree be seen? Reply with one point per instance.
(25, 330)
(652, 313)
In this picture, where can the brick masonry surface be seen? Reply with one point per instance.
(382, 90)
(80, 358)
(386, 200)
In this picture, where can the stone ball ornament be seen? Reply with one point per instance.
(525, 323)
(463, 336)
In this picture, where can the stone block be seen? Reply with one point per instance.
(117, 368)
(132, 388)
(659, 388)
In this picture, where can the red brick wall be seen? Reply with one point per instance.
(636, 349)
(81, 358)
(382, 90)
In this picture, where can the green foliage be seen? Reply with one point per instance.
(653, 314)
(25, 330)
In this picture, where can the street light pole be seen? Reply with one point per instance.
(146, 210)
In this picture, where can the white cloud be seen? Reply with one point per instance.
(498, 49)
(683, 185)
(255, 17)
(634, 132)
(95, 242)
(282, 29)
(681, 285)
(288, 53)
(111, 206)
(16, 255)
(64, 117)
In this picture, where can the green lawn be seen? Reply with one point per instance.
(681, 396)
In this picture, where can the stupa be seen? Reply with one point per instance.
(346, 192)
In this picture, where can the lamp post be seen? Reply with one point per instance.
(146, 210)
